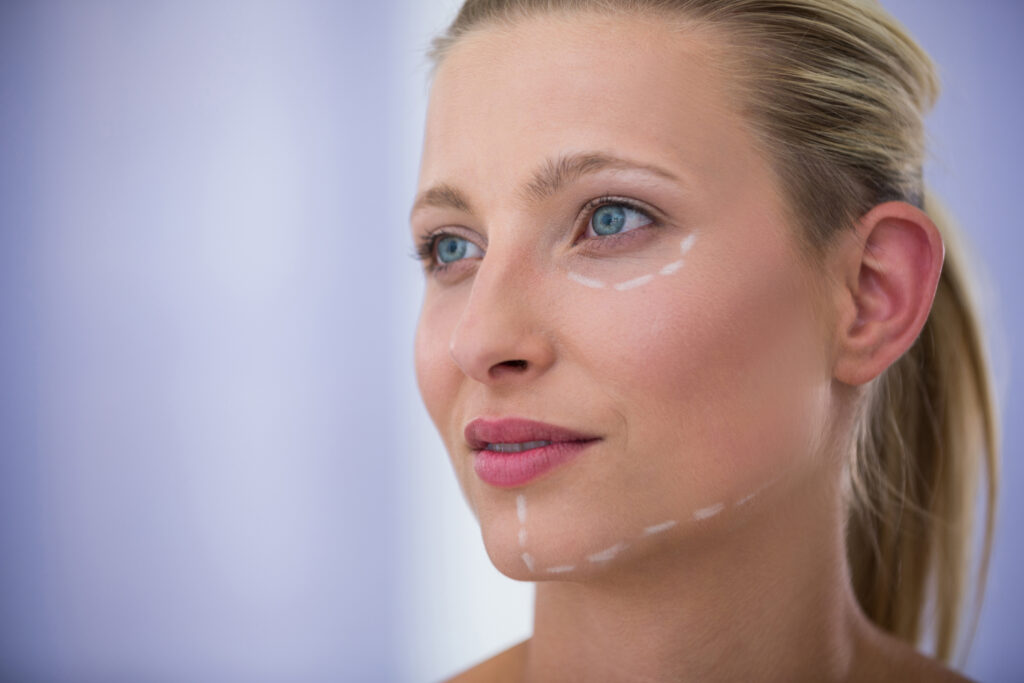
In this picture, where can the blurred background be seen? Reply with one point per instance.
(215, 465)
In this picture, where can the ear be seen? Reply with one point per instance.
(888, 281)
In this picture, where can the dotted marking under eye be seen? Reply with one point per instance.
(636, 282)
(586, 281)
(672, 267)
(668, 269)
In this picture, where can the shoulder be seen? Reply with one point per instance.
(927, 670)
(896, 660)
(504, 667)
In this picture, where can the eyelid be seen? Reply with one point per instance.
(427, 244)
(426, 248)
(587, 211)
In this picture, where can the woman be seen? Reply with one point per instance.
(702, 359)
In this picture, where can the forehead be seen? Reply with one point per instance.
(507, 96)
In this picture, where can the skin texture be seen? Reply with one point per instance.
(707, 383)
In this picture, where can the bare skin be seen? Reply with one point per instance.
(704, 379)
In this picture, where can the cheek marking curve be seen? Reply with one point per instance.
(586, 281)
(687, 242)
(608, 553)
(659, 527)
(710, 511)
(636, 282)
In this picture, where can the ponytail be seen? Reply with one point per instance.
(927, 431)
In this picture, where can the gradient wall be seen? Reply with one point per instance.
(214, 465)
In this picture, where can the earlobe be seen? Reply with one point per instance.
(892, 271)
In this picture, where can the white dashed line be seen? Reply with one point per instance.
(586, 281)
(635, 282)
(528, 559)
(672, 267)
(659, 527)
(710, 511)
(607, 553)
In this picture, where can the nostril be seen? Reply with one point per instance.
(510, 365)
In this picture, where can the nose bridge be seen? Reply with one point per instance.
(501, 330)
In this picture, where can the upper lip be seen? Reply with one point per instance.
(481, 432)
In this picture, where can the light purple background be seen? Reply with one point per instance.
(215, 465)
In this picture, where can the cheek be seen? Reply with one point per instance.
(717, 371)
(436, 373)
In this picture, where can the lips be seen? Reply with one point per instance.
(513, 452)
(481, 432)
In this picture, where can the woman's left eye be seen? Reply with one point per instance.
(615, 218)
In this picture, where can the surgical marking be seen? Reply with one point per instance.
(583, 280)
(659, 527)
(709, 511)
(672, 267)
(528, 559)
(635, 282)
(608, 553)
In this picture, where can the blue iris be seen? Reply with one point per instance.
(609, 219)
(451, 249)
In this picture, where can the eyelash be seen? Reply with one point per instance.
(424, 250)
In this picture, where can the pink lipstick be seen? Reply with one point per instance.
(511, 452)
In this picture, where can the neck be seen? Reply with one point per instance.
(769, 598)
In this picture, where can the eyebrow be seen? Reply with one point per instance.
(548, 179)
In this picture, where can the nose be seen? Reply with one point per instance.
(503, 334)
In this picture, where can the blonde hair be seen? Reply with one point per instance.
(837, 91)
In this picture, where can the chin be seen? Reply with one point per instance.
(543, 553)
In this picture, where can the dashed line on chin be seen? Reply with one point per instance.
(528, 560)
(655, 528)
(608, 553)
(709, 511)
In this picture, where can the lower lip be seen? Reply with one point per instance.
(515, 469)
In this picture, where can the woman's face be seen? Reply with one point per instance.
(612, 229)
